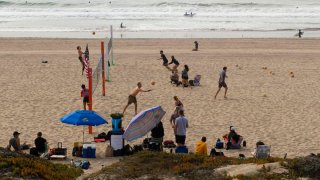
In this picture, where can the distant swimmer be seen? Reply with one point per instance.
(122, 26)
(300, 33)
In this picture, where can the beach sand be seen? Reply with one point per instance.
(273, 107)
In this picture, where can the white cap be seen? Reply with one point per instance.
(233, 129)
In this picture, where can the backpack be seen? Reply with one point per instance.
(127, 150)
(182, 149)
(34, 151)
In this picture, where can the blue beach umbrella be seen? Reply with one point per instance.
(83, 118)
(143, 123)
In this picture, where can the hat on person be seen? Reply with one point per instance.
(233, 129)
(16, 133)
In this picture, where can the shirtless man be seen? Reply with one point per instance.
(80, 57)
(132, 97)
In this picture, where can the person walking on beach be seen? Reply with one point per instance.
(180, 128)
(85, 95)
(176, 64)
(196, 46)
(80, 57)
(222, 82)
(132, 97)
(300, 33)
(164, 59)
(177, 107)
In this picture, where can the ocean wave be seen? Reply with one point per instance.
(5, 3)
(186, 4)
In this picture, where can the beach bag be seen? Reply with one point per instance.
(137, 148)
(169, 144)
(34, 151)
(60, 150)
(83, 164)
(182, 149)
(213, 153)
(219, 144)
(127, 150)
(109, 151)
(146, 142)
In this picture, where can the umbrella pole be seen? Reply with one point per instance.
(82, 134)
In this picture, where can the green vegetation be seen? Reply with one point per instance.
(153, 165)
(14, 165)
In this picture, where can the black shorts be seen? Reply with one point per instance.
(86, 99)
(132, 99)
(185, 77)
(180, 139)
(80, 58)
(222, 84)
(165, 63)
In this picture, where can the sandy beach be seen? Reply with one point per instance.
(273, 107)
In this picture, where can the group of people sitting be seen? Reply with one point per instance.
(41, 145)
(174, 77)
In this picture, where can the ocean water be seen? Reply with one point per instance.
(158, 18)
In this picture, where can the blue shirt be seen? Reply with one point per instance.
(181, 126)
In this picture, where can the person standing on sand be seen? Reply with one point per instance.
(222, 82)
(177, 107)
(80, 57)
(196, 46)
(132, 97)
(165, 60)
(180, 128)
(85, 95)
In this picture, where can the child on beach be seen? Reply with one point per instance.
(177, 107)
(222, 82)
(85, 95)
(175, 62)
(80, 57)
(132, 97)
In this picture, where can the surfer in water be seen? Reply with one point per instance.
(300, 33)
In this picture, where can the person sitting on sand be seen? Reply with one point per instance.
(233, 139)
(85, 95)
(185, 76)
(132, 97)
(180, 128)
(222, 82)
(201, 147)
(165, 60)
(175, 62)
(174, 78)
(40, 143)
(15, 143)
(196, 46)
(80, 57)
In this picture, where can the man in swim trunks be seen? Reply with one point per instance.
(222, 82)
(175, 62)
(132, 97)
(85, 95)
(80, 57)
(165, 60)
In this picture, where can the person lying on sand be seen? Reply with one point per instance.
(132, 97)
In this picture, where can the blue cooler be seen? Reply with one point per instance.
(116, 124)
(89, 151)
